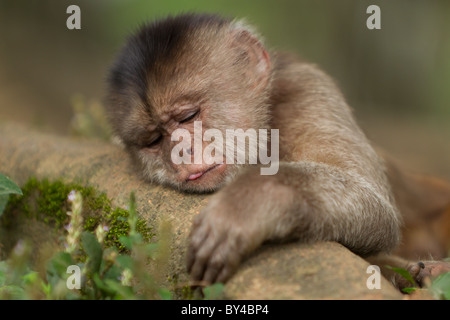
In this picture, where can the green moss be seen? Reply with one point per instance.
(47, 201)
(90, 223)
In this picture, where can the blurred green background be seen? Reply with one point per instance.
(397, 79)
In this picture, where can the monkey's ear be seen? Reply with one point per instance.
(256, 56)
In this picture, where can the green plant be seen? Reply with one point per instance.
(47, 201)
(86, 269)
(7, 187)
(439, 287)
(407, 276)
(110, 246)
(214, 291)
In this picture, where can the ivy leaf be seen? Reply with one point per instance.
(409, 290)
(102, 285)
(3, 201)
(93, 250)
(165, 294)
(7, 186)
(151, 248)
(120, 291)
(214, 291)
(113, 273)
(57, 267)
(3, 272)
(441, 286)
(126, 241)
(124, 261)
(31, 278)
(404, 273)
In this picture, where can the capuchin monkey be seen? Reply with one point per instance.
(331, 185)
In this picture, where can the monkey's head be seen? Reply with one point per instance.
(180, 70)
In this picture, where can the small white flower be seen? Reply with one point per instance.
(71, 196)
(126, 276)
(100, 233)
(19, 249)
(75, 227)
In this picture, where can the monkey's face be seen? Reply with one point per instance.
(186, 144)
(204, 84)
(179, 160)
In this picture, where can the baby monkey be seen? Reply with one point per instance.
(330, 185)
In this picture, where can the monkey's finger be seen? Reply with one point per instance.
(197, 220)
(190, 258)
(212, 271)
(203, 255)
(229, 268)
(196, 238)
(224, 261)
(216, 263)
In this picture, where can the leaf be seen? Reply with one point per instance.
(441, 286)
(3, 201)
(113, 273)
(47, 289)
(136, 238)
(93, 250)
(214, 291)
(57, 267)
(165, 294)
(404, 273)
(409, 290)
(102, 285)
(151, 248)
(30, 278)
(7, 186)
(124, 261)
(3, 270)
(12, 293)
(121, 292)
(126, 241)
(60, 262)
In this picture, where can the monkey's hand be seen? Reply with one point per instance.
(236, 220)
(219, 238)
(422, 271)
(306, 201)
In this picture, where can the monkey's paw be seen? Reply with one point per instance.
(424, 271)
(220, 237)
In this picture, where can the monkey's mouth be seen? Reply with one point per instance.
(195, 176)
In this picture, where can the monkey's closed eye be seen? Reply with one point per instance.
(190, 117)
(154, 142)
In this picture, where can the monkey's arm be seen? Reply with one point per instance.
(306, 201)
(331, 185)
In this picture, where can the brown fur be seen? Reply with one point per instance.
(331, 184)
